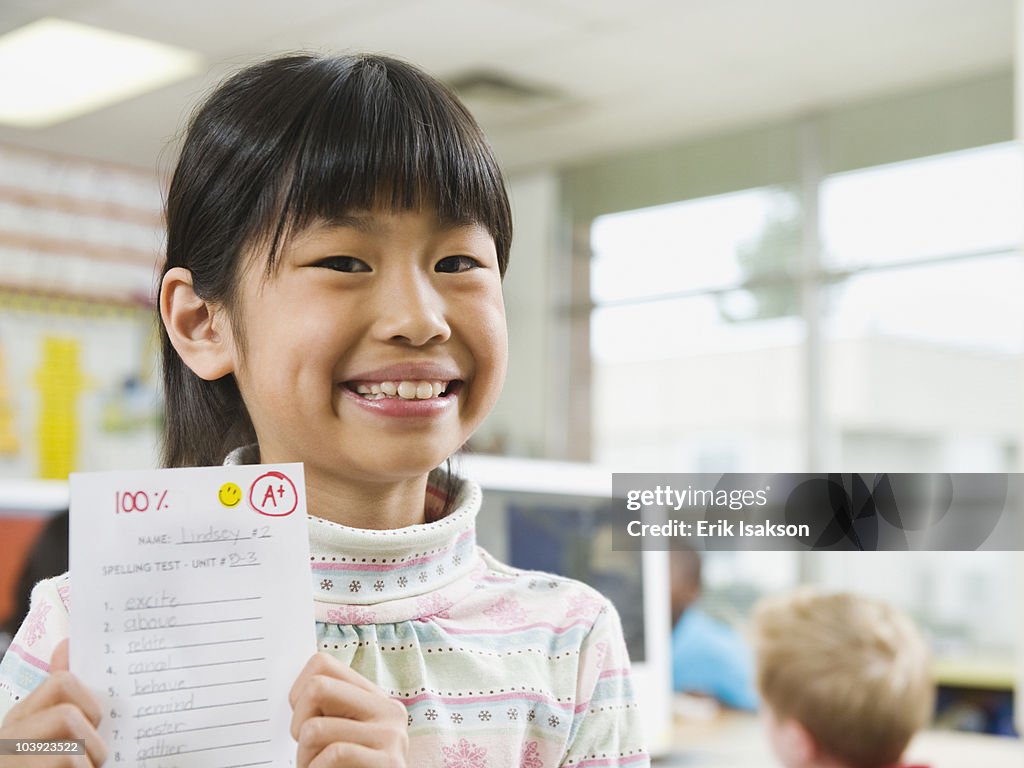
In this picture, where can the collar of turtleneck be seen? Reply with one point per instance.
(363, 576)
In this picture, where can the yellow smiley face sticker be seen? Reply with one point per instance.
(229, 495)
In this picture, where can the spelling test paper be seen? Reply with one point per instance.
(191, 611)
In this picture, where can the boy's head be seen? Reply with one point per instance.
(845, 679)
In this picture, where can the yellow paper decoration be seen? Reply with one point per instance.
(8, 433)
(59, 381)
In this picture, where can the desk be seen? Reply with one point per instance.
(737, 740)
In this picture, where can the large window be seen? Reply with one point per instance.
(922, 321)
(716, 327)
(692, 371)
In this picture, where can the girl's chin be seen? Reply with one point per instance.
(396, 469)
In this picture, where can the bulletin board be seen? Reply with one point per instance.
(80, 244)
(78, 387)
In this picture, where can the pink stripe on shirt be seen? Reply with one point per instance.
(531, 696)
(507, 630)
(615, 673)
(19, 651)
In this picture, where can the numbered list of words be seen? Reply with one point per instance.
(191, 613)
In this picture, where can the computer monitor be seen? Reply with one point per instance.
(556, 517)
(1018, 704)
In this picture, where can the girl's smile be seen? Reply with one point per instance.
(374, 350)
(407, 390)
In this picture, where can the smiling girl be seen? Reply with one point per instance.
(338, 230)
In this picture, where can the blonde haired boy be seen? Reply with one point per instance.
(845, 680)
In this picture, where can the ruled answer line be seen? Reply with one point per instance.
(205, 706)
(223, 747)
(197, 666)
(200, 602)
(202, 728)
(229, 538)
(198, 645)
(194, 687)
(196, 624)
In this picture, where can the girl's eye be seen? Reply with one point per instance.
(456, 264)
(344, 264)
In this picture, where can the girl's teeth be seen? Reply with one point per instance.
(406, 390)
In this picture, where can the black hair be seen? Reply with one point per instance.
(47, 558)
(290, 142)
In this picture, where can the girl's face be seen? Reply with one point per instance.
(375, 349)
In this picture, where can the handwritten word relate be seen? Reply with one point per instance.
(191, 618)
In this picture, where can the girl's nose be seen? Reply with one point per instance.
(412, 312)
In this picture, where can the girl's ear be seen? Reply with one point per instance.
(198, 330)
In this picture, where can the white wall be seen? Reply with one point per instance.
(524, 423)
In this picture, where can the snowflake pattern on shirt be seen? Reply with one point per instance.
(465, 754)
(35, 624)
(506, 612)
(530, 758)
(433, 605)
(351, 614)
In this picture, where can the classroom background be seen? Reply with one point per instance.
(750, 237)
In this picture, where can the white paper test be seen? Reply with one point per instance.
(191, 611)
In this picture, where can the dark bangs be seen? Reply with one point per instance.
(373, 132)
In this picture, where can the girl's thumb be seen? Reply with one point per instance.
(59, 662)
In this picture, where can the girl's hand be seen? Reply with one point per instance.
(60, 709)
(339, 718)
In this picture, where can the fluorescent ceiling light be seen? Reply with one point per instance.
(53, 70)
